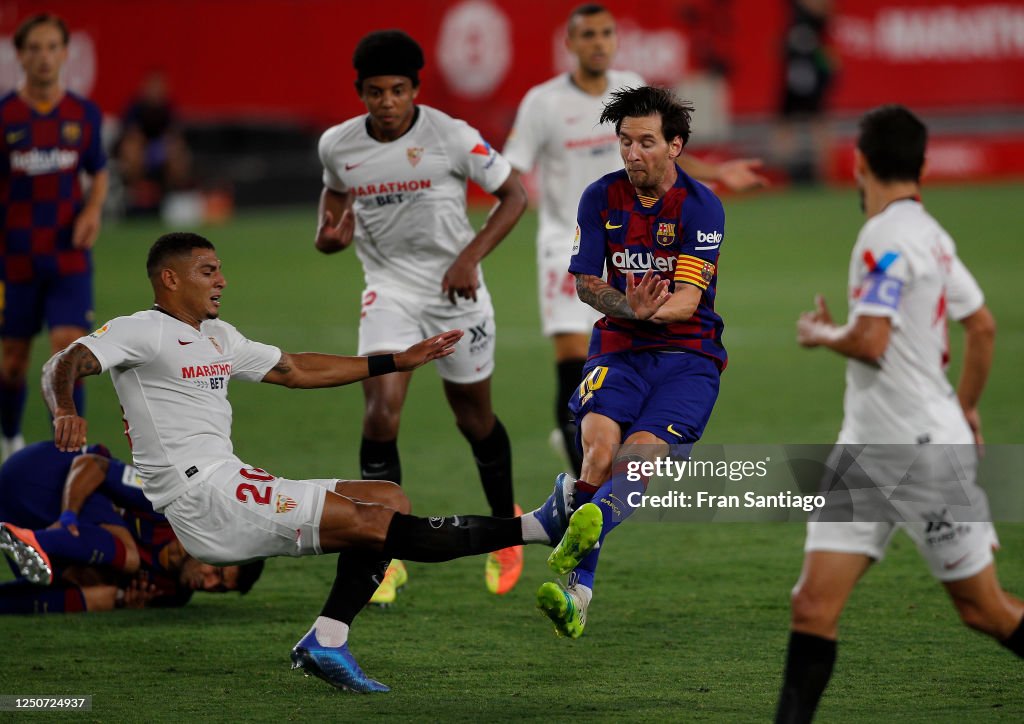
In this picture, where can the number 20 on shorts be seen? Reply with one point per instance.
(592, 383)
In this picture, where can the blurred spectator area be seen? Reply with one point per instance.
(254, 82)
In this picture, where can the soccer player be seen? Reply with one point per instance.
(171, 366)
(656, 355)
(105, 531)
(905, 280)
(557, 130)
(48, 137)
(395, 185)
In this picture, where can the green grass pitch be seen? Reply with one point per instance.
(689, 621)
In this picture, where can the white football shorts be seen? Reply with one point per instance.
(561, 311)
(947, 516)
(392, 320)
(240, 514)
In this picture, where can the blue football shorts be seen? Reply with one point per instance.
(669, 394)
(59, 301)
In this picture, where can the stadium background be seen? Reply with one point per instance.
(690, 620)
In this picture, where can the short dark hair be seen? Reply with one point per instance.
(176, 243)
(893, 141)
(248, 574)
(585, 11)
(21, 34)
(387, 52)
(649, 101)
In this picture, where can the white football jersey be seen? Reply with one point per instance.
(904, 266)
(556, 129)
(410, 194)
(172, 382)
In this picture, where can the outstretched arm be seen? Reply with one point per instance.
(308, 370)
(59, 376)
(739, 174)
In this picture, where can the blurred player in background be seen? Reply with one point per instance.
(171, 366)
(656, 355)
(395, 184)
(83, 514)
(905, 279)
(557, 130)
(48, 137)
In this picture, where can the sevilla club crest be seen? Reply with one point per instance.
(414, 154)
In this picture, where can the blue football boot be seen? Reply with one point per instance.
(554, 515)
(335, 665)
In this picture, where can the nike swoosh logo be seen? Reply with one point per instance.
(954, 564)
(15, 136)
(610, 225)
(350, 166)
(184, 343)
(672, 430)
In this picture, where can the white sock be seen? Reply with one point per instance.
(583, 593)
(533, 531)
(330, 632)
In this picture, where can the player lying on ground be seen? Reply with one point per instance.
(108, 548)
(171, 366)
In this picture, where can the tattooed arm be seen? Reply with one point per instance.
(642, 298)
(59, 376)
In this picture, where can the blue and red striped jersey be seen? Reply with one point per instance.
(41, 156)
(677, 236)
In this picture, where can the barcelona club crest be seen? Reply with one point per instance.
(71, 132)
(666, 233)
(707, 272)
(414, 154)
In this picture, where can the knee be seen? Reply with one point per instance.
(382, 420)
(394, 497)
(989, 620)
(14, 366)
(599, 454)
(812, 612)
(474, 419)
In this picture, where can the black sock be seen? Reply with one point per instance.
(430, 540)
(359, 574)
(379, 461)
(570, 374)
(493, 457)
(809, 663)
(1015, 641)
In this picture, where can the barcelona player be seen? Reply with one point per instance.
(652, 376)
(107, 547)
(48, 137)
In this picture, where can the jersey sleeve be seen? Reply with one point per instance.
(251, 360)
(588, 248)
(526, 138)
(123, 342)
(703, 233)
(324, 149)
(963, 295)
(123, 485)
(94, 159)
(472, 157)
(882, 273)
